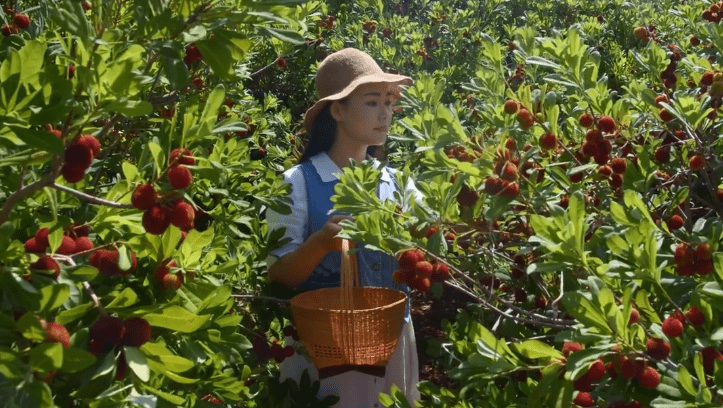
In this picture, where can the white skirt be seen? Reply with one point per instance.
(359, 390)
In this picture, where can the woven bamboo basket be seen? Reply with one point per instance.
(349, 325)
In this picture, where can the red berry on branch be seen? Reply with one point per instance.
(650, 378)
(606, 124)
(673, 327)
(511, 107)
(21, 20)
(659, 349)
(181, 156)
(57, 333)
(586, 120)
(157, 219)
(695, 316)
(179, 177)
(144, 197)
(696, 162)
(182, 215)
(675, 222)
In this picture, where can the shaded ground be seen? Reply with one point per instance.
(427, 315)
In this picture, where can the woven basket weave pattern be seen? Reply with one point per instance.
(325, 323)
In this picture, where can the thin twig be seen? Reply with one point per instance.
(272, 299)
(90, 198)
(95, 299)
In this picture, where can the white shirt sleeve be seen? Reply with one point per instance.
(295, 223)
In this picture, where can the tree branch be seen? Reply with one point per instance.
(90, 198)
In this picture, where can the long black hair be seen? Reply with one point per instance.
(323, 133)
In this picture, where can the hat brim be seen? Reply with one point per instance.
(383, 77)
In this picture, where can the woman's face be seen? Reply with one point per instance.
(366, 115)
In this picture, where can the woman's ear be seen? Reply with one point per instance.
(336, 109)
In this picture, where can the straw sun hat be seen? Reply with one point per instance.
(342, 72)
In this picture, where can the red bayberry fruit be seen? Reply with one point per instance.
(675, 222)
(467, 197)
(703, 266)
(520, 295)
(46, 263)
(659, 349)
(107, 332)
(90, 142)
(510, 190)
(179, 177)
(696, 162)
(21, 20)
(182, 215)
(661, 98)
(570, 347)
(704, 251)
(440, 272)
(78, 155)
(695, 316)
(710, 355)
(424, 269)
(57, 333)
(183, 156)
(399, 277)
(137, 332)
(634, 316)
(8, 30)
(408, 259)
(630, 368)
(421, 283)
(72, 174)
(511, 107)
(606, 124)
(684, 254)
(650, 378)
(144, 197)
(619, 165)
(83, 244)
(584, 399)
(665, 116)
(596, 372)
(281, 62)
(173, 281)
(525, 119)
(157, 219)
(707, 78)
(586, 120)
(548, 141)
(192, 54)
(67, 246)
(673, 327)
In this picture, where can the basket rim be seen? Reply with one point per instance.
(295, 300)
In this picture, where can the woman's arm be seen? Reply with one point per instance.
(295, 267)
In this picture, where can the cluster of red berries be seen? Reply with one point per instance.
(108, 332)
(418, 273)
(20, 22)
(620, 364)
(327, 23)
(516, 79)
(159, 215)
(674, 325)
(369, 26)
(79, 154)
(168, 279)
(713, 13)
(275, 350)
(662, 153)
(690, 260)
(668, 75)
(645, 33)
(75, 240)
(106, 261)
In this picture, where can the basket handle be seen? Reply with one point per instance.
(349, 279)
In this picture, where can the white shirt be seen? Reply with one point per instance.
(295, 222)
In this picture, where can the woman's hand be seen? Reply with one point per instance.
(327, 235)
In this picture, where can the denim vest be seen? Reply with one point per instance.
(375, 267)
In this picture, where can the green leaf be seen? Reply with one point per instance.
(193, 245)
(76, 360)
(39, 139)
(534, 349)
(288, 36)
(585, 312)
(29, 326)
(170, 240)
(137, 362)
(10, 363)
(82, 273)
(178, 319)
(158, 156)
(686, 381)
(46, 357)
(130, 108)
(53, 296)
(124, 299)
(124, 259)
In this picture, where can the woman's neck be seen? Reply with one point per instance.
(341, 153)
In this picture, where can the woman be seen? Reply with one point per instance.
(353, 113)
